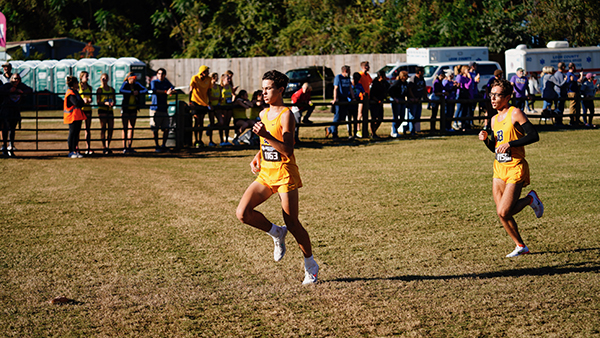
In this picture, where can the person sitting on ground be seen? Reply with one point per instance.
(159, 110)
(11, 96)
(302, 98)
(258, 104)
(241, 122)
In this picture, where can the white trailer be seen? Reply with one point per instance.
(428, 55)
(535, 59)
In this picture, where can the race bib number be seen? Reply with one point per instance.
(504, 157)
(270, 154)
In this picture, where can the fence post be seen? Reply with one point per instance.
(442, 112)
(365, 116)
(179, 125)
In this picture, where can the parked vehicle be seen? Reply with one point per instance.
(535, 59)
(425, 56)
(393, 69)
(314, 76)
(485, 69)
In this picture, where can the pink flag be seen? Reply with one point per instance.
(2, 31)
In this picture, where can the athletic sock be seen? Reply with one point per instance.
(309, 262)
(274, 232)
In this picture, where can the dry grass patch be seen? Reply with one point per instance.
(405, 233)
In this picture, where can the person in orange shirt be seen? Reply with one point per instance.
(73, 115)
(512, 131)
(277, 171)
(200, 85)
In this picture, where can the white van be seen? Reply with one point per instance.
(393, 69)
(485, 69)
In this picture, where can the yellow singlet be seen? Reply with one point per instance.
(277, 171)
(511, 167)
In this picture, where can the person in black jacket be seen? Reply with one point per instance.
(11, 95)
(133, 97)
(379, 92)
(398, 93)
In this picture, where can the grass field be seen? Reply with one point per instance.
(405, 233)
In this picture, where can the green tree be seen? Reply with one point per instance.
(574, 20)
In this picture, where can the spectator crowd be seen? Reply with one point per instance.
(232, 112)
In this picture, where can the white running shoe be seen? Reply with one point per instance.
(536, 204)
(518, 251)
(310, 274)
(279, 242)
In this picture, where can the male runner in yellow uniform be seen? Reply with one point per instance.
(512, 131)
(278, 173)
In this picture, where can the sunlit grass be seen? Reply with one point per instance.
(405, 233)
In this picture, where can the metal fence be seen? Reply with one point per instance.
(48, 134)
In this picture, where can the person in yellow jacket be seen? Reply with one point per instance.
(73, 115)
(200, 86)
(277, 173)
(85, 90)
(512, 131)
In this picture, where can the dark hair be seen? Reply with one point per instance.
(507, 88)
(419, 69)
(241, 93)
(345, 68)
(163, 70)
(279, 79)
(256, 93)
(72, 81)
(356, 77)
(381, 74)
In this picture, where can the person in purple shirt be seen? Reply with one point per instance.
(450, 92)
(438, 94)
(521, 88)
(465, 81)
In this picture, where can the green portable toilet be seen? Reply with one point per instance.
(27, 72)
(44, 83)
(62, 69)
(44, 74)
(102, 65)
(122, 67)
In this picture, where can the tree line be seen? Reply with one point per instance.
(149, 29)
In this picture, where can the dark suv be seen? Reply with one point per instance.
(314, 76)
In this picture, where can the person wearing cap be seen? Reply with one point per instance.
(521, 88)
(588, 91)
(200, 85)
(133, 97)
(5, 77)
